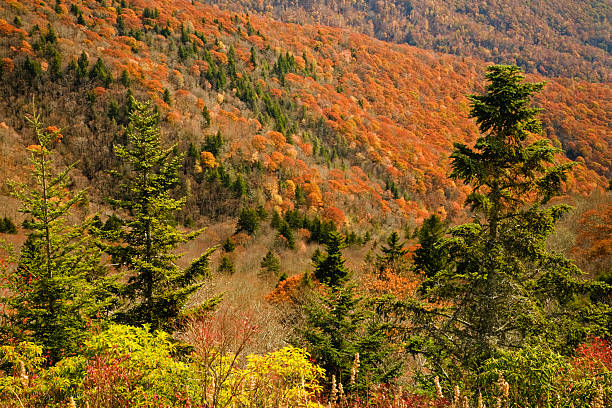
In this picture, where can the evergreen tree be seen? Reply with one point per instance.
(7, 226)
(184, 34)
(125, 78)
(240, 188)
(58, 283)
(166, 97)
(261, 212)
(206, 116)
(270, 265)
(226, 266)
(82, 65)
(214, 143)
(229, 245)
(112, 224)
(276, 220)
(50, 37)
(248, 221)
(114, 111)
(339, 324)
(285, 231)
(231, 63)
(498, 287)
(250, 29)
(121, 30)
(129, 106)
(330, 268)
(393, 255)
(221, 79)
(428, 258)
(80, 19)
(31, 69)
(157, 288)
(294, 219)
(55, 68)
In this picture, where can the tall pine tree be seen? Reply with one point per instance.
(58, 284)
(427, 258)
(146, 246)
(498, 286)
(330, 268)
(340, 323)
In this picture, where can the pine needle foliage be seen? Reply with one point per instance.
(340, 323)
(270, 265)
(58, 283)
(146, 246)
(498, 287)
(330, 268)
(427, 258)
(393, 257)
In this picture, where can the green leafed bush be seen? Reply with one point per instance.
(129, 366)
(536, 376)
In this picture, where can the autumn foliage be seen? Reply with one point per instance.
(362, 130)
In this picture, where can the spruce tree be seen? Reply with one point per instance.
(248, 221)
(498, 287)
(276, 220)
(82, 65)
(240, 188)
(226, 266)
(55, 67)
(428, 259)
(229, 245)
(125, 78)
(206, 116)
(393, 256)
(339, 323)
(7, 226)
(32, 70)
(270, 265)
(285, 231)
(58, 284)
(166, 96)
(50, 37)
(146, 245)
(100, 72)
(214, 143)
(330, 268)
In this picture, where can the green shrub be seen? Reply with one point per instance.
(286, 377)
(229, 245)
(7, 226)
(538, 377)
(248, 221)
(226, 266)
(270, 265)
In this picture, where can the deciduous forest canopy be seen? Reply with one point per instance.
(305, 204)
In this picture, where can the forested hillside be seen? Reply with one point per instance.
(313, 117)
(215, 206)
(564, 38)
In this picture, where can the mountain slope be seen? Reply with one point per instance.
(322, 119)
(563, 38)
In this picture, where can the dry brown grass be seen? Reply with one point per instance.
(245, 290)
(564, 238)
